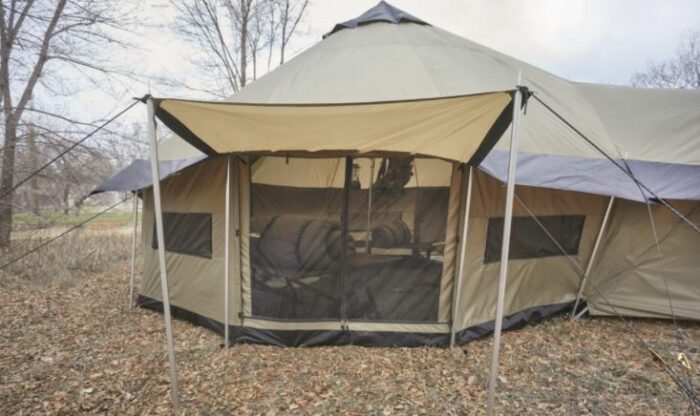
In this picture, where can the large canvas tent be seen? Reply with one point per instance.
(357, 213)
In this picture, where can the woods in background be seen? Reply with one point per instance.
(50, 51)
(48, 47)
(681, 71)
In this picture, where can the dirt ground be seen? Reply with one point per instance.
(72, 346)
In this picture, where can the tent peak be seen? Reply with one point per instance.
(382, 12)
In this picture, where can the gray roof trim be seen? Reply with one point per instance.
(138, 176)
(598, 176)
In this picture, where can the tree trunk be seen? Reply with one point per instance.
(245, 14)
(285, 21)
(7, 179)
(66, 199)
(33, 166)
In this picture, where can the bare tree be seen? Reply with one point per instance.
(34, 35)
(220, 29)
(291, 13)
(233, 35)
(681, 71)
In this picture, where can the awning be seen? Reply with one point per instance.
(462, 128)
(138, 176)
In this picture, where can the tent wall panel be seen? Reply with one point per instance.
(532, 282)
(196, 283)
(235, 262)
(244, 256)
(451, 257)
(630, 273)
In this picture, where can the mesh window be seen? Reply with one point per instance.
(528, 240)
(186, 233)
(296, 237)
(397, 218)
(376, 257)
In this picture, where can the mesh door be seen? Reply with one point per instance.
(296, 238)
(397, 220)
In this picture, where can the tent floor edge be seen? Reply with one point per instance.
(314, 338)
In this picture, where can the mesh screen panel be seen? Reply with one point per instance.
(385, 266)
(528, 240)
(400, 232)
(186, 233)
(295, 240)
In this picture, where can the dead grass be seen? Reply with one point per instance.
(83, 251)
(68, 344)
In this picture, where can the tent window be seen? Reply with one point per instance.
(186, 233)
(529, 241)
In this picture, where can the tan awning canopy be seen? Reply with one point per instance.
(462, 128)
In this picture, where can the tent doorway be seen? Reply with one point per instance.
(349, 239)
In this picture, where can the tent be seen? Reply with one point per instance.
(355, 195)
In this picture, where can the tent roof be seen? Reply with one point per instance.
(389, 55)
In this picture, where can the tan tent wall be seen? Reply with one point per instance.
(196, 284)
(531, 282)
(630, 272)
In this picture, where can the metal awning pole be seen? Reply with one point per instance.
(457, 286)
(161, 255)
(133, 249)
(227, 231)
(589, 266)
(505, 246)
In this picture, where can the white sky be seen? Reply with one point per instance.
(584, 40)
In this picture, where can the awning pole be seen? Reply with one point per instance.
(227, 230)
(589, 266)
(135, 216)
(457, 287)
(369, 208)
(161, 255)
(505, 246)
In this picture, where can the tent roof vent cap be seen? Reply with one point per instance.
(382, 12)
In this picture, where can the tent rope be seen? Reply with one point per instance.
(70, 148)
(75, 227)
(686, 389)
(680, 341)
(619, 166)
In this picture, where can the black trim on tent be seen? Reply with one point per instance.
(498, 128)
(494, 134)
(181, 130)
(382, 12)
(308, 338)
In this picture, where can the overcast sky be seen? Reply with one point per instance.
(584, 40)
